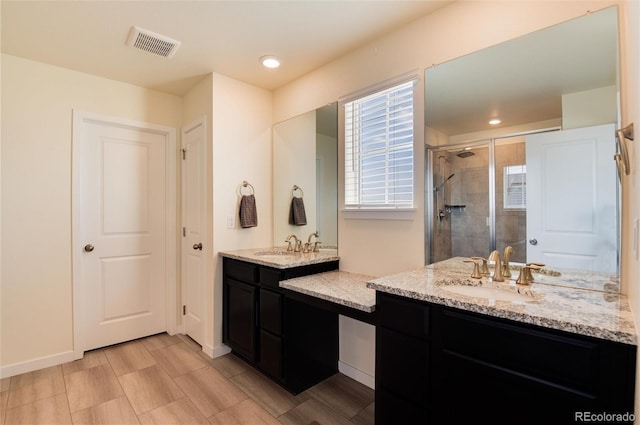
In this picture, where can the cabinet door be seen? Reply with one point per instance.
(240, 317)
(402, 366)
(270, 354)
(393, 410)
(271, 311)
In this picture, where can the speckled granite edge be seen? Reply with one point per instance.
(280, 261)
(587, 312)
(340, 287)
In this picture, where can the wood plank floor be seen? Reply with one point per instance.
(166, 379)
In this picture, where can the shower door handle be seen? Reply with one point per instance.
(533, 241)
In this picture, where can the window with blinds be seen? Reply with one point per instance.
(515, 187)
(379, 149)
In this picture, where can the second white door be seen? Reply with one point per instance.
(194, 249)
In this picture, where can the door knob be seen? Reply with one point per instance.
(198, 246)
(533, 241)
(88, 248)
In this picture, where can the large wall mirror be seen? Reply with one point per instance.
(541, 178)
(305, 166)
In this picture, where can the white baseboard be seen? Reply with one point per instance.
(37, 364)
(220, 350)
(357, 375)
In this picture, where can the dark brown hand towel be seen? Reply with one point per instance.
(297, 215)
(248, 212)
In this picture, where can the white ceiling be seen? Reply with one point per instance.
(227, 37)
(522, 80)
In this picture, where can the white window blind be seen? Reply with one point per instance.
(515, 187)
(379, 149)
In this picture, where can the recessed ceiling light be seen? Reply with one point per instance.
(495, 121)
(270, 61)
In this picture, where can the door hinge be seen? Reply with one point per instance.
(184, 310)
(184, 232)
(184, 154)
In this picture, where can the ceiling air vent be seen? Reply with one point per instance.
(151, 42)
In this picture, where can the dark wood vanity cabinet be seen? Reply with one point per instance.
(277, 335)
(441, 365)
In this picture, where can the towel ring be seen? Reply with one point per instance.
(248, 185)
(293, 191)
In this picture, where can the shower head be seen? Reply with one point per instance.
(465, 153)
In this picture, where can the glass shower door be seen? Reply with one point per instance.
(511, 197)
(461, 225)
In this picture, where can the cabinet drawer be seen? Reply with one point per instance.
(406, 316)
(271, 311)
(270, 277)
(515, 396)
(402, 365)
(246, 272)
(539, 353)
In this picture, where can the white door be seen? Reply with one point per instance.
(571, 199)
(121, 243)
(194, 248)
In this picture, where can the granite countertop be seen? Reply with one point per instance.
(280, 258)
(349, 289)
(577, 302)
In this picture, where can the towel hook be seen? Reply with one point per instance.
(248, 185)
(296, 187)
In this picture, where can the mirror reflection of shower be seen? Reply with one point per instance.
(471, 212)
(441, 200)
(440, 188)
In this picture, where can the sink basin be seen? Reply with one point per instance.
(490, 291)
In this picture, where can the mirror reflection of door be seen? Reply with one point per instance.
(571, 199)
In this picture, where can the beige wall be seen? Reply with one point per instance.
(327, 150)
(38, 100)
(590, 107)
(241, 140)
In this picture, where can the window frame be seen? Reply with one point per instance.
(383, 211)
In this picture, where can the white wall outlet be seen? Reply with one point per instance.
(231, 222)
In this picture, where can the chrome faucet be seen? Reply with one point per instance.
(506, 271)
(307, 246)
(297, 245)
(497, 270)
